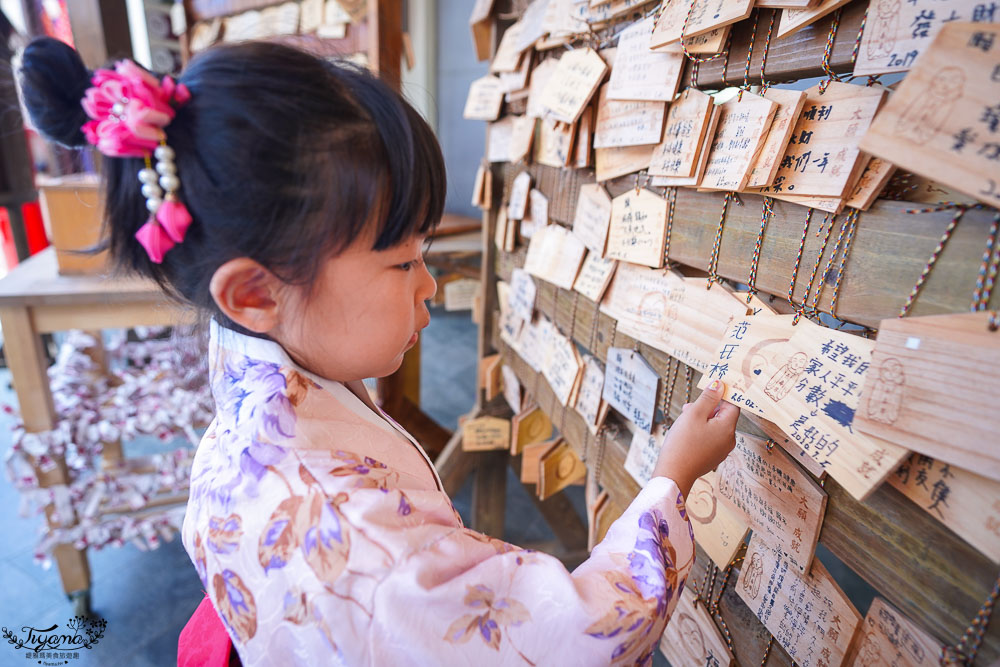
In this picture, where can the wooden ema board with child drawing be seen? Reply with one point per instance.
(884, 261)
(692, 638)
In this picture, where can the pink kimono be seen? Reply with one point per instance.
(323, 536)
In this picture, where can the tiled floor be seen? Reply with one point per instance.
(147, 597)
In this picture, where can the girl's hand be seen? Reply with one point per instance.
(700, 439)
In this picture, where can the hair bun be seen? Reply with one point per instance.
(53, 82)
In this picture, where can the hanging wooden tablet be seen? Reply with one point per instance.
(540, 76)
(510, 237)
(594, 276)
(522, 294)
(873, 180)
(532, 24)
(717, 529)
(674, 314)
(500, 231)
(528, 427)
(701, 161)
(915, 188)
(641, 74)
(485, 433)
(563, 19)
(967, 503)
(584, 139)
(943, 121)
(779, 596)
(932, 380)
(604, 12)
(484, 100)
(614, 162)
(499, 137)
(519, 196)
(638, 228)
(741, 131)
(896, 33)
(477, 187)
(558, 468)
(555, 255)
(508, 54)
(594, 514)
(643, 452)
(687, 122)
(782, 504)
(515, 84)
(572, 84)
(538, 205)
(593, 214)
(490, 379)
(705, 16)
(554, 147)
(630, 386)
(828, 204)
(794, 19)
(786, 4)
(562, 368)
(712, 41)
(482, 28)
(889, 638)
(627, 123)
(791, 447)
(531, 457)
(692, 638)
(823, 157)
(521, 137)
(533, 344)
(511, 394)
(766, 162)
(588, 400)
(459, 294)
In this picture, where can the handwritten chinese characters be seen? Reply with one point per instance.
(687, 124)
(555, 254)
(705, 15)
(643, 451)
(484, 100)
(889, 638)
(630, 386)
(741, 131)
(485, 433)
(641, 74)
(594, 276)
(627, 123)
(562, 367)
(593, 213)
(638, 228)
(573, 84)
(766, 163)
(588, 399)
(717, 529)
(692, 638)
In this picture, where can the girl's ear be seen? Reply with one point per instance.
(247, 293)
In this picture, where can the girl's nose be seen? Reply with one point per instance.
(428, 287)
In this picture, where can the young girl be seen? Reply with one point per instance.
(289, 197)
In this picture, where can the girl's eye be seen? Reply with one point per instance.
(406, 266)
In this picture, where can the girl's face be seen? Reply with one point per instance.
(364, 311)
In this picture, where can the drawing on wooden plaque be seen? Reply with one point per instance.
(869, 654)
(755, 572)
(925, 116)
(782, 382)
(693, 640)
(701, 503)
(729, 477)
(883, 28)
(887, 392)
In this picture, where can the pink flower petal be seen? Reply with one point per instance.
(156, 242)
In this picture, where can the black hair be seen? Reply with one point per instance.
(284, 157)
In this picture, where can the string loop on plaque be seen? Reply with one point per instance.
(965, 651)
(767, 211)
(764, 83)
(795, 269)
(713, 263)
(746, 68)
(671, 202)
(828, 52)
(852, 222)
(986, 277)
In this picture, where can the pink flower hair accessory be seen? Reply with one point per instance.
(129, 109)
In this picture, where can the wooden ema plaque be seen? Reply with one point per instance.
(508, 54)
(572, 84)
(630, 386)
(829, 204)
(522, 294)
(522, 135)
(593, 214)
(943, 121)
(795, 19)
(897, 32)
(964, 501)
(515, 84)
(584, 140)
(765, 166)
(674, 314)
(706, 15)
(889, 638)
(809, 616)
(554, 147)
(511, 393)
(932, 381)
(558, 468)
(782, 504)
(555, 255)
(528, 427)
(643, 452)
(479, 23)
(499, 140)
(614, 162)
(538, 207)
(485, 433)
(687, 123)
(692, 638)
(741, 132)
(790, 446)
(540, 76)
(490, 379)
(484, 100)
(532, 24)
(519, 196)
(588, 400)
(712, 41)
(700, 162)
(638, 229)
(627, 123)
(641, 74)
(562, 367)
(823, 158)
(531, 457)
(594, 276)
(873, 180)
(717, 529)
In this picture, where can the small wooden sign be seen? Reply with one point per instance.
(515, 83)
(484, 100)
(687, 123)
(588, 399)
(692, 638)
(932, 380)
(779, 595)
(532, 24)
(765, 167)
(706, 15)
(630, 386)
(459, 294)
(499, 137)
(782, 504)
(482, 28)
(490, 379)
(477, 187)
(965, 502)
(641, 74)
(943, 121)
(638, 228)
(627, 123)
(531, 457)
(562, 368)
(712, 41)
(558, 468)
(643, 452)
(672, 313)
(873, 180)
(555, 254)
(584, 140)
(614, 162)
(791, 447)
(829, 204)
(512, 394)
(528, 427)
(540, 76)
(701, 161)
(717, 529)
(593, 214)
(795, 19)
(533, 342)
(521, 137)
(741, 132)
(572, 85)
(896, 33)
(485, 434)
(594, 276)
(554, 147)
(538, 205)
(508, 54)
(519, 190)
(889, 638)
(522, 294)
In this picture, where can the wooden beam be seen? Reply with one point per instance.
(385, 48)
